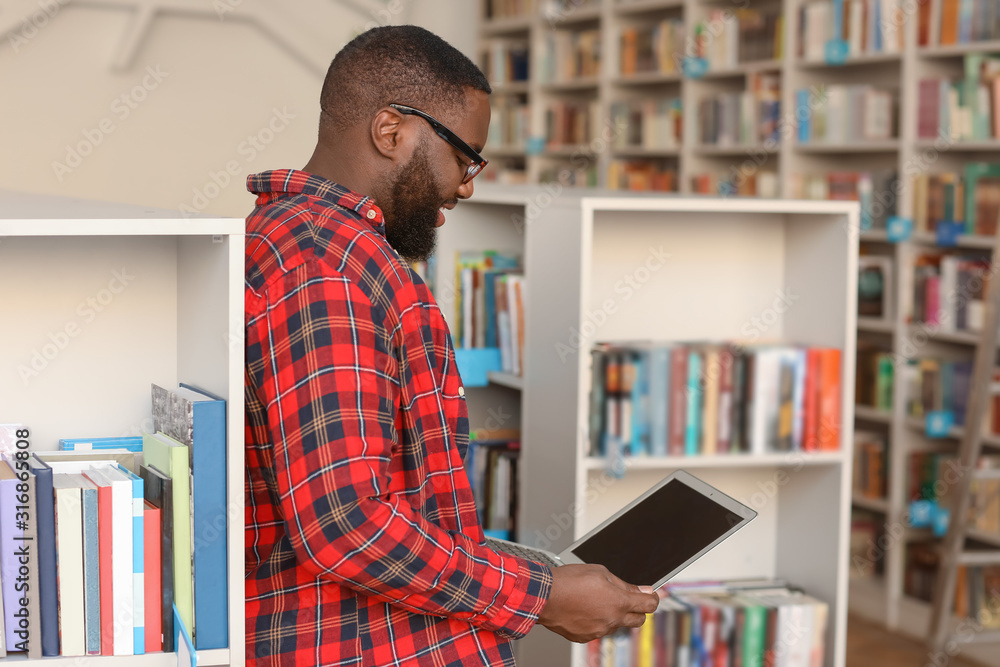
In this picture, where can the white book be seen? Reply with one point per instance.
(69, 564)
(468, 298)
(514, 316)
(764, 407)
(121, 555)
(855, 29)
(890, 26)
(948, 293)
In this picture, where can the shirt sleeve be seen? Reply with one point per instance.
(330, 386)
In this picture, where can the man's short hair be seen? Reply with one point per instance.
(402, 64)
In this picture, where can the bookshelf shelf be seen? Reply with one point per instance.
(947, 145)
(957, 50)
(644, 6)
(648, 79)
(877, 146)
(744, 68)
(638, 151)
(874, 236)
(505, 151)
(728, 150)
(985, 537)
(853, 61)
(770, 460)
(512, 88)
(508, 380)
(767, 245)
(504, 26)
(880, 505)
(970, 241)
(573, 15)
(868, 413)
(567, 151)
(876, 324)
(955, 433)
(955, 337)
(573, 85)
(177, 281)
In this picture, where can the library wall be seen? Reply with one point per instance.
(172, 103)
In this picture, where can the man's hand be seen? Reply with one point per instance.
(587, 602)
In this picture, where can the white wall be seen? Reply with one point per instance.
(149, 101)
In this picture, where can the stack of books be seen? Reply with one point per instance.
(722, 623)
(875, 190)
(870, 470)
(652, 123)
(491, 463)
(510, 124)
(949, 291)
(640, 176)
(571, 123)
(711, 398)
(936, 385)
(124, 531)
(839, 114)
(729, 38)
(970, 198)
(506, 61)
(867, 27)
(755, 183)
(571, 55)
(747, 118)
(962, 109)
(652, 48)
(946, 22)
(874, 379)
(490, 305)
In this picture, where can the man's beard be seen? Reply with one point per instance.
(411, 212)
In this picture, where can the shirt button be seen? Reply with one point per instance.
(461, 391)
(371, 214)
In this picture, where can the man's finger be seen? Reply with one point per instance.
(633, 620)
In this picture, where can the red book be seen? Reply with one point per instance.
(724, 432)
(107, 597)
(678, 399)
(829, 400)
(151, 564)
(810, 407)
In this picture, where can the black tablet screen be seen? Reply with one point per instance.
(659, 534)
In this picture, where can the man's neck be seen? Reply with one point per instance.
(344, 168)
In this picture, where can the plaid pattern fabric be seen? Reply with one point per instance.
(363, 546)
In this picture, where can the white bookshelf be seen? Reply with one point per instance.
(728, 258)
(174, 314)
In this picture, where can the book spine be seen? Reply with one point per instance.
(694, 400)
(153, 592)
(69, 549)
(138, 564)
(105, 530)
(210, 520)
(92, 569)
(48, 593)
(9, 541)
(121, 584)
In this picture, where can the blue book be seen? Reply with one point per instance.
(91, 566)
(47, 590)
(129, 443)
(804, 114)
(198, 419)
(489, 305)
(838, 19)
(659, 402)
(692, 434)
(186, 654)
(640, 398)
(798, 357)
(138, 561)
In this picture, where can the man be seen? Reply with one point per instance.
(362, 545)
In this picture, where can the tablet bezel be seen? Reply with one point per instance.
(745, 513)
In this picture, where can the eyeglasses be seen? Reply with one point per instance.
(478, 161)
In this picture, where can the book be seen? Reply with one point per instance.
(47, 586)
(80, 459)
(128, 443)
(91, 565)
(171, 457)
(23, 554)
(158, 488)
(70, 564)
(153, 595)
(138, 559)
(123, 601)
(105, 560)
(198, 420)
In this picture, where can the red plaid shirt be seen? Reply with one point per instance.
(362, 542)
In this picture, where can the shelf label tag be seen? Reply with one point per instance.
(948, 232)
(939, 423)
(939, 522)
(899, 228)
(836, 51)
(694, 68)
(922, 513)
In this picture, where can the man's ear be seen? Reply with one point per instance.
(390, 135)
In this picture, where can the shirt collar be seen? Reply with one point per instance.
(270, 186)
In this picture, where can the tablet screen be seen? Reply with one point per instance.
(659, 534)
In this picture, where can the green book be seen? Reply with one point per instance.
(171, 457)
(754, 634)
(883, 382)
